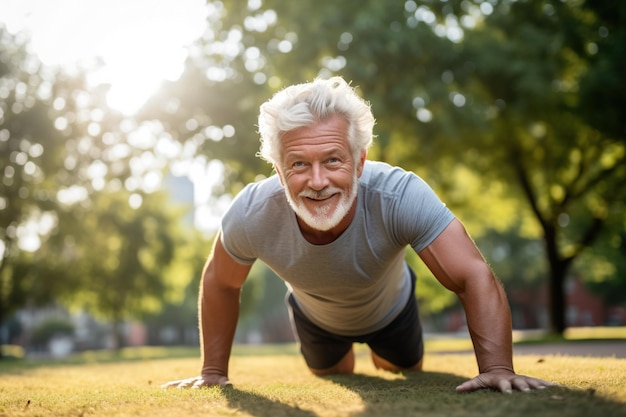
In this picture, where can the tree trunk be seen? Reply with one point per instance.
(557, 300)
(556, 294)
(2, 341)
(2, 306)
(118, 337)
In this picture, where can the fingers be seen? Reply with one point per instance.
(468, 386)
(504, 383)
(199, 382)
(525, 383)
(181, 383)
(473, 384)
(170, 384)
(535, 383)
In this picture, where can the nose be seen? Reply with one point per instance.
(318, 179)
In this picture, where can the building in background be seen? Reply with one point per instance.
(182, 193)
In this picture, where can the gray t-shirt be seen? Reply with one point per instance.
(358, 283)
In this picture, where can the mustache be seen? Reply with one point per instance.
(321, 194)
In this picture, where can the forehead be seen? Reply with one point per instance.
(332, 132)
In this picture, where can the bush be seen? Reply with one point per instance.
(11, 352)
(44, 332)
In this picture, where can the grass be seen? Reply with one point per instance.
(272, 381)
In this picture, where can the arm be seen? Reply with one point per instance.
(218, 307)
(456, 262)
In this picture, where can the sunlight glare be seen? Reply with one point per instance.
(140, 43)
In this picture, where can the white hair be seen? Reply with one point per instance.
(305, 104)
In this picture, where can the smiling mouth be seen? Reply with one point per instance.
(321, 198)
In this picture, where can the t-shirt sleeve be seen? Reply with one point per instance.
(420, 215)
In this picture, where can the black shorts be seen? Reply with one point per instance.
(400, 342)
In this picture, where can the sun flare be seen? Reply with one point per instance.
(139, 43)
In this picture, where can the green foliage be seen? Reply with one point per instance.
(568, 171)
(29, 151)
(512, 110)
(516, 260)
(120, 254)
(433, 298)
(603, 41)
(496, 107)
(252, 291)
(47, 150)
(263, 306)
(486, 103)
(79, 222)
(604, 265)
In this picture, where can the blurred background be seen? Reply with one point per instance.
(127, 126)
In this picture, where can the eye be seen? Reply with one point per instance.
(332, 161)
(298, 164)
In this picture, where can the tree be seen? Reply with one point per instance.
(530, 70)
(29, 153)
(120, 255)
(79, 218)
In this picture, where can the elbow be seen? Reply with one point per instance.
(477, 279)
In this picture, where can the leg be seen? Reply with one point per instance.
(324, 352)
(344, 366)
(381, 363)
(400, 346)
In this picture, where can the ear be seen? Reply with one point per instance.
(361, 163)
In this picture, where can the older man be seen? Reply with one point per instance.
(335, 227)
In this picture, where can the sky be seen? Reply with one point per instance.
(141, 42)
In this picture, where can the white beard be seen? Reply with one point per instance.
(320, 220)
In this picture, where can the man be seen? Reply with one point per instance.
(335, 227)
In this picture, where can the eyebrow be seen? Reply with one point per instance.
(332, 151)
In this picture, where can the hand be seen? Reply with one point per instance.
(199, 382)
(503, 381)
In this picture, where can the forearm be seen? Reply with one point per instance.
(218, 314)
(458, 265)
(489, 323)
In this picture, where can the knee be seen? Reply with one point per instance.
(384, 364)
(344, 366)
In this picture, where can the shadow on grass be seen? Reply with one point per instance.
(372, 390)
(260, 406)
(432, 394)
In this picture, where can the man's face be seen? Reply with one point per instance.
(319, 173)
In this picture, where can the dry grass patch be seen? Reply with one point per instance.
(273, 384)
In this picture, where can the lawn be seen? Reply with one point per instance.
(272, 381)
